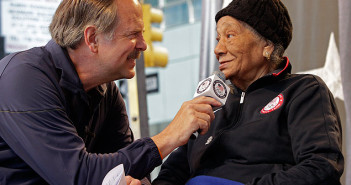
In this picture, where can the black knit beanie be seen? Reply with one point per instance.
(270, 18)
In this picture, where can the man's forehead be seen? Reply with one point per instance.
(135, 2)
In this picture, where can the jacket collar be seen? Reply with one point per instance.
(285, 68)
(281, 72)
(69, 78)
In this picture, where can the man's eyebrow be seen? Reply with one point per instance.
(132, 32)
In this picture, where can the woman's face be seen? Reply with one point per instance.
(240, 53)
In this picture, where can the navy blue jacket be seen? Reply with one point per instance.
(285, 129)
(52, 131)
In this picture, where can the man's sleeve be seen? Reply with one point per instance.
(315, 130)
(175, 170)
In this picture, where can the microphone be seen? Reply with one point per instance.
(213, 86)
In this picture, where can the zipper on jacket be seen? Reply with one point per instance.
(237, 114)
(240, 108)
(242, 97)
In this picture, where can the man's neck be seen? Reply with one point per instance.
(84, 64)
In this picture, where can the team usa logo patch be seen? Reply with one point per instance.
(273, 105)
(219, 89)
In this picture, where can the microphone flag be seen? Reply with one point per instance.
(213, 86)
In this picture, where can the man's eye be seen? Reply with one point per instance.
(230, 35)
(134, 35)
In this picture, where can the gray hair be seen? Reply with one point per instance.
(276, 57)
(73, 16)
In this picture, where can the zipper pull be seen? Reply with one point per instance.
(242, 97)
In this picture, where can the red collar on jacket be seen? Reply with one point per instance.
(286, 66)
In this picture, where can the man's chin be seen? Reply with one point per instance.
(130, 75)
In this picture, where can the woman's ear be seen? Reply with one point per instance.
(268, 49)
(90, 38)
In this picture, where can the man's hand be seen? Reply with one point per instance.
(194, 115)
(131, 181)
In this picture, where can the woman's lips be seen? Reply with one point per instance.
(223, 65)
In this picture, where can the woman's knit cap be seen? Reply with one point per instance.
(270, 18)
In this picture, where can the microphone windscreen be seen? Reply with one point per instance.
(220, 74)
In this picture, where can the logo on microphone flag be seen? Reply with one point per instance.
(204, 85)
(219, 89)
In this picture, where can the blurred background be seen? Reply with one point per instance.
(181, 53)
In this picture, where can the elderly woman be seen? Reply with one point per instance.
(276, 127)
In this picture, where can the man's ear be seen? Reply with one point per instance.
(90, 38)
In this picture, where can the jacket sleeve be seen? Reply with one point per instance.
(35, 126)
(315, 131)
(175, 170)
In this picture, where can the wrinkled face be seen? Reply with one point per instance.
(119, 54)
(239, 52)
